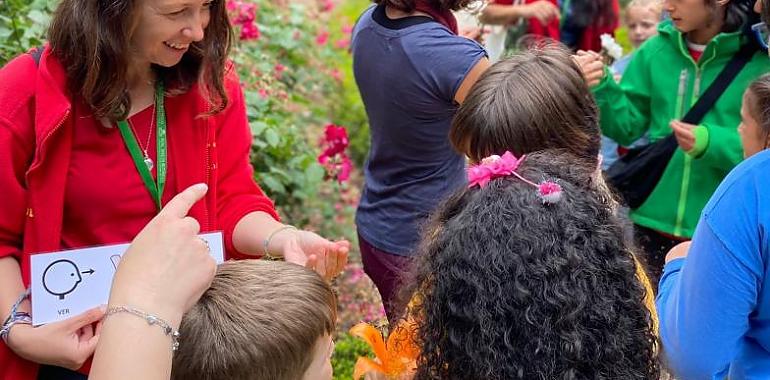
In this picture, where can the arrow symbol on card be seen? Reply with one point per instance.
(89, 271)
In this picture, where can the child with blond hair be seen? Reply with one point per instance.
(259, 320)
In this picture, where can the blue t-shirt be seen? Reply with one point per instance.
(714, 305)
(408, 71)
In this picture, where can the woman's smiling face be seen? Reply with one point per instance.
(165, 29)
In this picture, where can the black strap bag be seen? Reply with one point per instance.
(635, 175)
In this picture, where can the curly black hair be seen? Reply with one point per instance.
(512, 288)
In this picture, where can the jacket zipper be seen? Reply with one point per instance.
(45, 138)
(687, 168)
(208, 176)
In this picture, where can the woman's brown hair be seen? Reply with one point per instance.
(535, 100)
(758, 102)
(410, 5)
(92, 41)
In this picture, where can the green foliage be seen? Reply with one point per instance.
(349, 110)
(347, 350)
(292, 84)
(23, 25)
(621, 36)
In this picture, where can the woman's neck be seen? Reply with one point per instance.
(395, 13)
(141, 87)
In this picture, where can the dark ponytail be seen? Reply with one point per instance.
(739, 15)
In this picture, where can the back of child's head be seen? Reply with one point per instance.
(534, 100)
(259, 320)
(513, 287)
(758, 96)
(755, 130)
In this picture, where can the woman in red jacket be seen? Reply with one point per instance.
(130, 103)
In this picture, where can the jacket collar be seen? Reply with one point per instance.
(723, 44)
(53, 105)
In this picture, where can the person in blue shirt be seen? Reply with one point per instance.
(412, 72)
(714, 296)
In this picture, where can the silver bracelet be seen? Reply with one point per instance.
(267, 241)
(15, 317)
(151, 320)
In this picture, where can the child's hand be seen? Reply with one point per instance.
(591, 65)
(684, 134)
(68, 343)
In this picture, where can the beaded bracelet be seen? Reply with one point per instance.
(16, 317)
(267, 241)
(151, 320)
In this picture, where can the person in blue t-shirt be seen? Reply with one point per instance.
(714, 296)
(412, 70)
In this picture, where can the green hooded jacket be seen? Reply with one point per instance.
(661, 83)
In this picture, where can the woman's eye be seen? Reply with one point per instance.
(176, 13)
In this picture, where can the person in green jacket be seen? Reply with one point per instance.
(663, 80)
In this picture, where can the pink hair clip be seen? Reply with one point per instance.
(502, 166)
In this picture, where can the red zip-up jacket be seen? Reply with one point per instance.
(35, 145)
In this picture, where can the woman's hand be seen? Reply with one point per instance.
(684, 134)
(308, 249)
(543, 10)
(167, 267)
(68, 343)
(679, 251)
(591, 65)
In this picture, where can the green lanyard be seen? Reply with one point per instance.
(155, 188)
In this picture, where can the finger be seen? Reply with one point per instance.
(343, 244)
(320, 266)
(594, 78)
(77, 322)
(86, 332)
(86, 347)
(674, 125)
(342, 262)
(191, 225)
(311, 262)
(331, 261)
(180, 205)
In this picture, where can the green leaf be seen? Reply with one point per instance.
(273, 184)
(272, 138)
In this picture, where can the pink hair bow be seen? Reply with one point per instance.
(496, 166)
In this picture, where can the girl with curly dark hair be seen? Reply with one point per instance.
(512, 286)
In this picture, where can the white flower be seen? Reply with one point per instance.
(611, 47)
